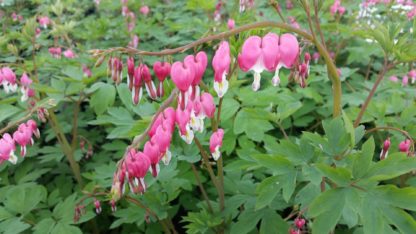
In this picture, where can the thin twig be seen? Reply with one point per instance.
(138, 139)
(386, 128)
(380, 77)
(201, 187)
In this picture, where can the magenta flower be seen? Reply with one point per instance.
(8, 79)
(394, 79)
(55, 52)
(86, 71)
(183, 118)
(230, 24)
(289, 51)
(25, 82)
(199, 63)
(151, 150)
(316, 57)
(162, 70)
(97, 205)
(44, 21)
(69, 54)
(144, 10)
(148, 82)
(215, 142)
(137, 92)
(182, 75)
(137, 164)
(259, 54)
(385, 151)
(221, 64)
(404, 146)
(7, 148)
(208, 105)
(130, 72)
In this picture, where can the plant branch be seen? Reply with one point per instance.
(201, 188)
(66, 147)
(332, 71)
(317, 24)
(211, 173)
(14, 123)
(138, 139)
(386, 128)
(380, 77)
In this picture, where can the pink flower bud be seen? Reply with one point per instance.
(231, 24)
(97, 205)
(215, 142)
(69, 54)
(144, 10)
(300, 223)
(404, 146)
(221, 65)
(208, 105)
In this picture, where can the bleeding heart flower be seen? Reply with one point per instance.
(183, 118)
(162, 70)
(130, 72)
(151, 150)
(44, 21)
(137, 91)
(215, 142)
(199, 63)
(231, 24)
(289, 50)
(8, 79)
(208, 105)
(259, 54)
(7, 148)
(69, 54)
(404, 146)
(221, 64)
(148, 82)
(182, 75)
(385, 151)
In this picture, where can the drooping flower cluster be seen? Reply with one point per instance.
(56, 52)
(404, 146)
(246, 4)
(337, 8)
(140, 75)
(44, 21)
(268, 53)
(405, 79)
(10, 83)
(23, 136)
(8, 79)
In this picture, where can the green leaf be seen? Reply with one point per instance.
(229, 107)
(7, 111)
(279, 165)
(327, 209)
(363, 160)
(289, 185)
(395, 165)
(400, 218)
(103, 98)
(266, 191)
(23, 198)
(4, 214)
(341, 176)
(272, 223)
(247, 221)
(399, 197)
(12, 226)
(45, 226)
(349, 127)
